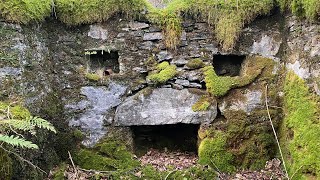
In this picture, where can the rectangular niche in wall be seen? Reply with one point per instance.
(175, 137)
(103, 61)
(228, 65)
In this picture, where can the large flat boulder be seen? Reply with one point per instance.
(162, 106)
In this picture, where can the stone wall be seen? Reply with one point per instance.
(50, 75)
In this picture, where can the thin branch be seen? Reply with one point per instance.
(23, 159)
(216, 167)
(95, 171)
(275, 134)
(74, 167)
(9, 117)
(169, 174)
(296, 171)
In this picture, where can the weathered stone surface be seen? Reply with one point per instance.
(195, 85)
(179, 61)
(162, 106)
(194, 76)
(164, 55)
(97, 32)
(138, 25)
(267, 46)
(148, 45)
(249, 102)
(152, 36)
(183, 36)
(182, 82)
(155, 29)
(301, 72)
(9, 71)
(96, 110)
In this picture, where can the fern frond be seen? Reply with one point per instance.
(18, 142)
(23, 125)
(29, 124)
(41, 123)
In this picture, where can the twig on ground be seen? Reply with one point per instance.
(216, 167)
(169, 174)
(95, 171)
(275, 134)
(74, 167)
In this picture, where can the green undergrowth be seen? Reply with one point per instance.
(300, 130)
(109, 155)
(163, 72)
(149, 172)
(59, 173)
(302, 8)
(75, 12)
(118, 162)
(5, 165)
(253, 67)
(25, 11)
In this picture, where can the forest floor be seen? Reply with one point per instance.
(179, 161)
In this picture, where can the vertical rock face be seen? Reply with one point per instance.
(162, 106)
(303, 45)
(267, 46)
(96, 110)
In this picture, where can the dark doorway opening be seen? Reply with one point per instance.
(176, 137)
(228, 65)
(103, 61)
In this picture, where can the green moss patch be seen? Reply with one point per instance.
(164, 72)
(254, 66)
(195, 63)
(241, 142)
(75, 12)
(16, 111)
(301, 129)
(92, 77)
(25, 11)
(203, 104)
(212, 151)
(106, 156)
(216, 85)
(302, 8)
